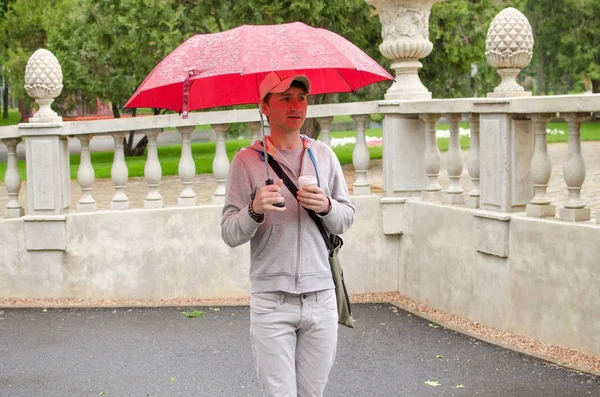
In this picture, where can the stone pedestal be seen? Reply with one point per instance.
(574, 214)
(432, 196)
(47, 156)
(48, 186)
(48, 169)
(14, 212)
(506, 152)
(541, 210)
(361, 190)
(453, 198)
(403, 149)
(473, 201)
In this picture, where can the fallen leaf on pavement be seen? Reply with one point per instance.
(433, 383)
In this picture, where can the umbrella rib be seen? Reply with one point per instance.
(336, 69)
(344, 80)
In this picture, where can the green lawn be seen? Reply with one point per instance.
(13, 118)
(204, 152)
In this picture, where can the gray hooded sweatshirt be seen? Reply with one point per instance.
(287, 251)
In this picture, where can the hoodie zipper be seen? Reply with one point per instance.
(283, 161)
(299, 244)
(298, 259)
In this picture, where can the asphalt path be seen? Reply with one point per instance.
(152, 352)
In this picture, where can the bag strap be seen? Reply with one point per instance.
(294, 190)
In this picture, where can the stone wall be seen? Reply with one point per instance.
(545, 287)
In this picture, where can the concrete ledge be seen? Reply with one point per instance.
(492, 232)
(45, 233)
(394, 221)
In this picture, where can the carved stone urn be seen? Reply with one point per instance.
(405, 33)
(43, 82)
(509, 48)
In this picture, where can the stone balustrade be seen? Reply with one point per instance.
(509, 134)
(151, 127)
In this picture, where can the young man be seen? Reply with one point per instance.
(293, 311)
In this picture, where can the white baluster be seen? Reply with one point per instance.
(119, 174)
(473, 162)
(361, 157)
(541, 169)
(187, 168)
(433, 189)
(85, 176)
(325, 123)
(255, 132)
(454, 194)
(574, 172)
(220, 163)
(153, 171)
(12, 180)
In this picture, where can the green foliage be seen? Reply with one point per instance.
(191, 314)
(579, 50)
(237, 130)
(24, 27)
(13, 118)
(566, 52)
(118, 42)
(458, 32)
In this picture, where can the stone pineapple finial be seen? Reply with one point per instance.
(43, 82)
(509, 48)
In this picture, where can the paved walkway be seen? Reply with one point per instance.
(205, 185)
(152, 352)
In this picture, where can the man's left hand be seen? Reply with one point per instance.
(314, 198)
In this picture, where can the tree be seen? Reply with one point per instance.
(24, 24)
(579, 51)
(118, 42)
(547, 19)
(458, 31)
(3, 50)
(208, 16)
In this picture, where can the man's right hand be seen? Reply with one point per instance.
(266, 196)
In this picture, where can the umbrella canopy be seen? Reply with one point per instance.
(224, 69)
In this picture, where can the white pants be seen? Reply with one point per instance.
(294, 340)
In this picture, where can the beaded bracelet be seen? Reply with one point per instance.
(257, 217)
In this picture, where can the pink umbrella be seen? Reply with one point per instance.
(224, 69)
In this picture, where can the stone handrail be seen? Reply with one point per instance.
(517, 105)
(48, 141)
(427, 111)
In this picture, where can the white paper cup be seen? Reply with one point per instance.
(306, 180)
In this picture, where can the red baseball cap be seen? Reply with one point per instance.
(274, 84)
